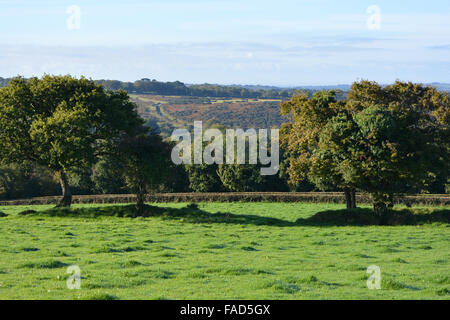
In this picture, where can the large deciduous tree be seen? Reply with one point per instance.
(381, 140)
(402, 140)
(62, 123)
(301, 139)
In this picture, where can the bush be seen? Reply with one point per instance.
(25, 181)
(106, 177)
(203, 178)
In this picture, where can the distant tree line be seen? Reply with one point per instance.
(177, 88)
(4, 82)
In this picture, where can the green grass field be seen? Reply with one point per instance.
(252, 251)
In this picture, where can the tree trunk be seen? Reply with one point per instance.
(140, 205)
(140, 200)
(391, 201)
(353, 198)
(350, 198)
(66, 200)
(382, 204)
(381, 211)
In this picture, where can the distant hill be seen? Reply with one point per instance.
(341, 87)
(169, 112)
(177, 88)
(441, 86)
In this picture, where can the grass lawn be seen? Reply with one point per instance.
(254, 251)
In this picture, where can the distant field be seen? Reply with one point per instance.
(169, 112)
(251, 251)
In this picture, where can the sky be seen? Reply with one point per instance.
(282, 43)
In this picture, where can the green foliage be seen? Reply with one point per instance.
(204, 178)
(248, 178)
(25, 181)
(302, 136)
(81, 181)
(107, 178)
(177, 179)
(381, 140)
(145, 163)
(241, 178)
(61, 123)
(401, 141)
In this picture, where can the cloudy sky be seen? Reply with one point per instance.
(284, 42)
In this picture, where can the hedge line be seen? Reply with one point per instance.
(315, 197)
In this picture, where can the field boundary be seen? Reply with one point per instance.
(314, 197)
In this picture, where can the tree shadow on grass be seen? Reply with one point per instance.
(192, 214)
(366, 217)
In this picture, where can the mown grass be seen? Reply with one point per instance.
(222, 251)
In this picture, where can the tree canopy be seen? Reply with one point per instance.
(62, 123)
(381, 140)
(145, 163)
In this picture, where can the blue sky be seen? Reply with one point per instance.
(285, 43)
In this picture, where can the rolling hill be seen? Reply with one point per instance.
(170, 112)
